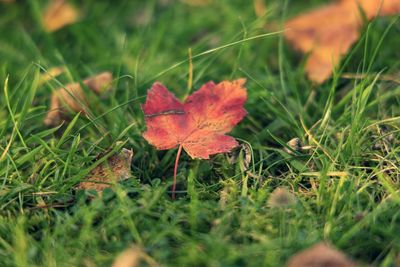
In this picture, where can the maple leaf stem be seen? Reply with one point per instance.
(178, 155)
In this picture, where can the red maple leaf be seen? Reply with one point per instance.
(199, 124)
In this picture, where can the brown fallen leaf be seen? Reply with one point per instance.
(99, 83)
(328, 32)
(133, 257)
(295, 145)
(72, 98)
(114, 169)
(7, 1)
(320, 255)
(58, 14)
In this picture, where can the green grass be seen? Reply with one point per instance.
(141, 42)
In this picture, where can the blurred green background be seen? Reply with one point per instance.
(45, 222)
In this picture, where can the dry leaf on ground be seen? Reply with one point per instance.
(114, 169)
(132, 257)
(99, 83)
(58, 14)
(328, 32)
(320, 255)
(73, 98)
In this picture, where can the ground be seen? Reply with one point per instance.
(345, 185)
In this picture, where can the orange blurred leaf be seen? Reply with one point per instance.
(320, 255)
(328, 32)
(58, 14)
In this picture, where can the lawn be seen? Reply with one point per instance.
(344, 187)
